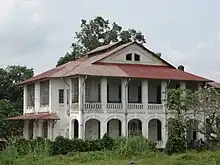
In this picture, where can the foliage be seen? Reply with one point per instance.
(176, 137)
(179, 103)
(8, 128)
(99, 32)
(207, 115)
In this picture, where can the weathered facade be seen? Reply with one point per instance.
(118, 89)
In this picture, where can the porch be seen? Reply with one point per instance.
(115, 127)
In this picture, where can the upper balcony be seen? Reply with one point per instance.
(114, 95)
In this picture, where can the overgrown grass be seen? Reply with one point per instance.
(125, 150)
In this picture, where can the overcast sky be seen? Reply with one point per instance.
(36, 33)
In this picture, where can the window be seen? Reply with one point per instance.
(136, 57)
(68, 96)
(30, 95)
(75, 90)
(129, 57)
(61, 96)
(44, 93)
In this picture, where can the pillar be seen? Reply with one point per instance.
(50, 96)
(164, 125)
(104, 93)
(103, 128)
(124, 98)
(70, 129)
(26, 129)
(145, 94)
(81, 106)
(40, 128)
(183, 85)
(37, 97)
(25, 99)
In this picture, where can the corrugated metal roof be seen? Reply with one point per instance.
(215, 85)
(89, 65)
(42, 116)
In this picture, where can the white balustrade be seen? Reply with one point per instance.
(93, 106)
(114, 106)
(135, 106)
(155, 106)
(44, 108)
(30, 110)
(159, 144)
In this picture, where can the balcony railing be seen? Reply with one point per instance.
(155, 107)
(160, 144)
(93, 107)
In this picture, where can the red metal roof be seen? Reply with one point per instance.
(90, 65)
(215, 84)
(42, 116)
(139, 71)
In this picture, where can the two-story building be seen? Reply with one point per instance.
(119, 89)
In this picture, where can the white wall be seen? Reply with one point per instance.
(145, 56)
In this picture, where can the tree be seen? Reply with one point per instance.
(207, 113)
(98, 32)
(11, 97)
(179, 103)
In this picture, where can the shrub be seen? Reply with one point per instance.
(135, 145)
(176, 142)
(61, 146)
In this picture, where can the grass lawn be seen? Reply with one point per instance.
(188, 158)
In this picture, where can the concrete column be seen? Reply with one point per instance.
(50, 124)
(70, 129)
(104, 93)
(40, 128)
(35, 129)
(145, 94)
(124, 97)
(26, 129)
(50, 96)
(81, 106)
(37, 97)
(183, 85)
(70, 94)
(103, 128)
(164, 128)
(25, 99)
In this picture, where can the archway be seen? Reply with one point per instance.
(92, 129)
(75, 129)
(114, 128)
(134, 127)
(155, 130)
(191, 130)
(45, 129)
(30, 129)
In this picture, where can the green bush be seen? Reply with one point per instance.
(135, 145)
(176, 142)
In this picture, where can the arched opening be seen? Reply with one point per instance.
(45, 129)
(30, 129)
(191, 130)
(75, 129)
(92, 129)
(134, 127)
(154, 130)
(114, 128)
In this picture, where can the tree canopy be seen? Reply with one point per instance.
(11, 97)
(98, 32)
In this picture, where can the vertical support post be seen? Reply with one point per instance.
(26, 129)
(145, 94)
(104, 93)
(124, 97)
(81, 106)
(50, 96)
(164, 126)
(37, 97)
(25, 99)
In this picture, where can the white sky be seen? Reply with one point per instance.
(36, 33)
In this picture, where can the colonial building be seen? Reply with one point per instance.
(119, 89)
